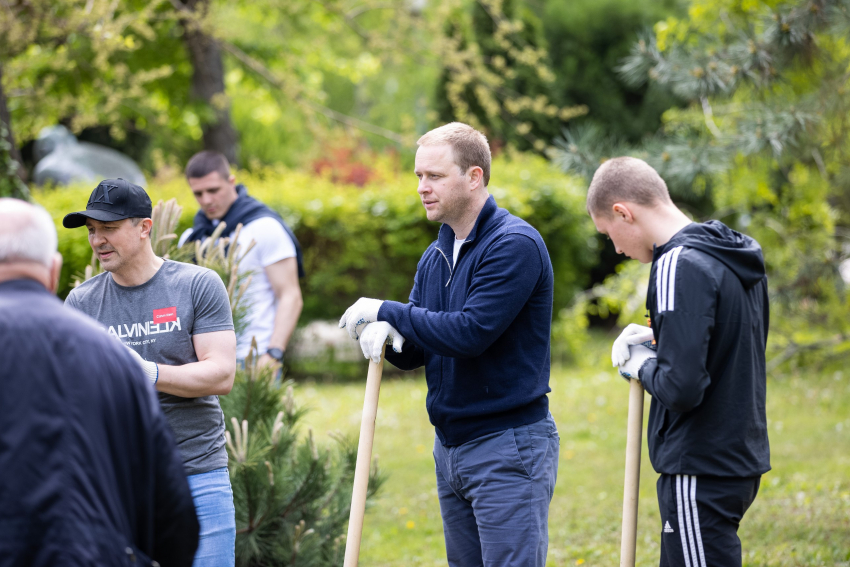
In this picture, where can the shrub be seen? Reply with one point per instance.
(366, 241)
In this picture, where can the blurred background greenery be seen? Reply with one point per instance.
(742, 106)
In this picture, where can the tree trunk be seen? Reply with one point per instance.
(6, 129)
(208, 84)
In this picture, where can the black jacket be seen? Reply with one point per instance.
(708, 305)
(89, 472)
(243, 210)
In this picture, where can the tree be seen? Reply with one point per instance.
(208, 78)
(497, 76)
(12, 172)
(586, 40)
(763, 142)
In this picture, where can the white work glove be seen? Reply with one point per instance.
(375, 336)
(150, 368)
(639, 355)
(631, 335)
(363, 312)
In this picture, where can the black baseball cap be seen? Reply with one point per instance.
(112, 200)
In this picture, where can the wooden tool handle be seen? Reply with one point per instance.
(630, 491)
(364, 462)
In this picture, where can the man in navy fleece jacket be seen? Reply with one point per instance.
(479, 320)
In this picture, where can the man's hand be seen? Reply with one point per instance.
(266, 360)
(639, 355)
(363, 312)
(150, 368)
(631, 335)
(375, 336)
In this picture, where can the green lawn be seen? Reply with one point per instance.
(801, 516)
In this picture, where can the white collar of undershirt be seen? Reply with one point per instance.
(458, 244)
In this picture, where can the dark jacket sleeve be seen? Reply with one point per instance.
(508, 274)
(176, 525)
(411, 356)
(679, 377)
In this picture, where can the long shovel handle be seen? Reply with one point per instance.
(364, 463)
(630, 491)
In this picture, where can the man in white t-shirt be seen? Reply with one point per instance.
(275, 262)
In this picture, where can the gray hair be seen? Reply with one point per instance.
(625, 179)
(27, 233)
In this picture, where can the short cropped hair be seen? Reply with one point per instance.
(469, 146)
(625, 179)
(27, 233)
(203, 163)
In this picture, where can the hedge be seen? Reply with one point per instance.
(366, 241)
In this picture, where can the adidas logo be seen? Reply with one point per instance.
(667, 528)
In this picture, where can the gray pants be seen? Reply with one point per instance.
(494, 496)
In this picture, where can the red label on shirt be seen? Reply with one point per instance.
(165, 315)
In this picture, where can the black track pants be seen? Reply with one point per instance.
(700, 516)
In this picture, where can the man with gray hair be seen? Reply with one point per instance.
(90, 472)
(707, 301)
(479, 320)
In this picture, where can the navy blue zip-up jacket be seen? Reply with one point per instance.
(707, 300)
(89, 471)
(481, 328)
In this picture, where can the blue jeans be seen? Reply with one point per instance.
(214, 505)
(494, 496)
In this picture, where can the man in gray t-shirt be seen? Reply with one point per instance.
(175, 319)
(158, 319)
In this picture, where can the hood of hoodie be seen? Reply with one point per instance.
(737, 251)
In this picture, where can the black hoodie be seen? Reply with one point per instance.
(708, 305)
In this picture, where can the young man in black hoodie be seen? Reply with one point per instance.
(708, 307)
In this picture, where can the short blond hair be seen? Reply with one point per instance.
(469, 146)
(625, 179)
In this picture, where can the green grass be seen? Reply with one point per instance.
(801, 515)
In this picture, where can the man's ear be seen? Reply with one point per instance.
(147, 226)
(622, 211)
(55, 271)
(231, 179)
(476, 176)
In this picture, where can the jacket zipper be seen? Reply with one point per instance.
(451, 271)
(446, 258)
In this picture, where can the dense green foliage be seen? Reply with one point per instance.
(762, 145)
(367, 241)
(587, 39)
(498, 77)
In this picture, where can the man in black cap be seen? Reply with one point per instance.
(89, 473)
(176, 319)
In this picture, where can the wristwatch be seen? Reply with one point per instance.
(276, 354)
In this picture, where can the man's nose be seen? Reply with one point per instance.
(96, 238)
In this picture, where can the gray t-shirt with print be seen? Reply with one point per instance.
(158, 319)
